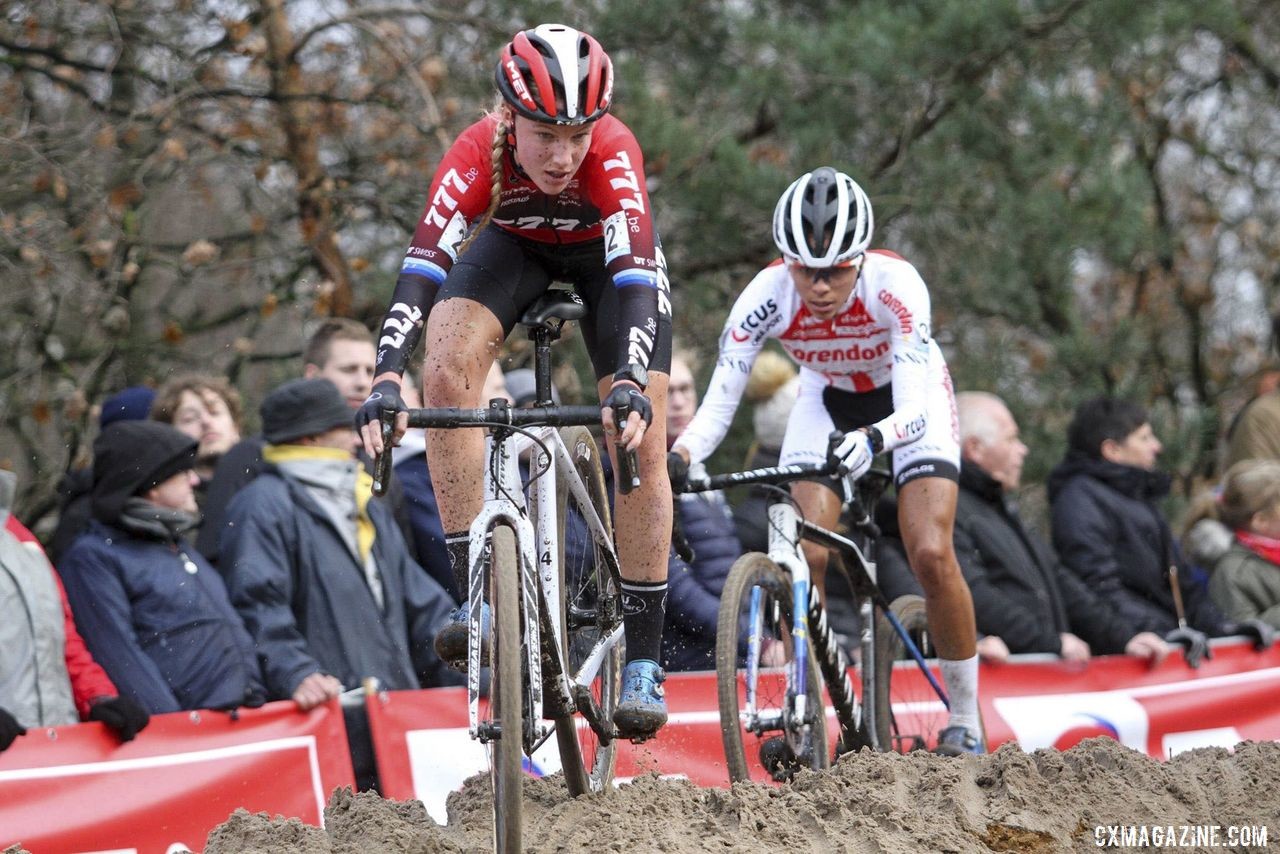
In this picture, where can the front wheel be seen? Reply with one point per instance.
(506, 693)
(765, 742)
(591, 602)
(909, 713)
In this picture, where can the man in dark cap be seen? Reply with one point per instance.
(321, 572)
(340, 350)
(153, 612)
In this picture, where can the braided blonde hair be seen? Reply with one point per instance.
(497, 148)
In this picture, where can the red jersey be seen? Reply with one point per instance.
(606, 198)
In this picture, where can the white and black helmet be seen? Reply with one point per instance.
(823, 219)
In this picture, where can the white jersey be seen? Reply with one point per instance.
(881, 337)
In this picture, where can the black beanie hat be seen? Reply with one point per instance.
(301, 408)
(130, 457)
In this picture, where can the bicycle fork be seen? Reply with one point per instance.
(501, 510)
(796, 719)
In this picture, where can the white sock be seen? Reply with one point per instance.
(961, 680)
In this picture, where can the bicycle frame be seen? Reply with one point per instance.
(538, 544)
(786, 531)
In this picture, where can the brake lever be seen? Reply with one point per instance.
(628, 461)
(382, 462)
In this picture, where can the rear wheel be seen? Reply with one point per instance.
(591, 606)
(775, 746)
(506, 694)
(909, 713)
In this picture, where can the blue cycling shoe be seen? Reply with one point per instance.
(957, 741)
(642, 710)
(451, 640)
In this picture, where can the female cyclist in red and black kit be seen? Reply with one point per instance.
(548, 187)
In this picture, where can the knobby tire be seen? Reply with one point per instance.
(506, 693)
(588, 764)
(919, 715)
(749, 571)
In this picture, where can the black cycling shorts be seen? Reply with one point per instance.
(506, 273)
(851, 410)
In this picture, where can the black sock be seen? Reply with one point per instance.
(644, 606)
(458, 545)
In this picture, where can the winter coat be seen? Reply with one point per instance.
(238, 467)
(74, 497)
(234, 470)
(35, 686)
(424, 520)
(168, 637)
(1255, 434)
(693, 599)
(1021, 593)
(1246, 585)
(88, 680)
(1108, 530)
(305, 600)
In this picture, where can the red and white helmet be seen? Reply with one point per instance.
(556, 74)
(823, 219)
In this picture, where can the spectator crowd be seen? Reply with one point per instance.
(196, 567)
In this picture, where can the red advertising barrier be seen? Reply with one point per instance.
(78, 789)
(423, 750)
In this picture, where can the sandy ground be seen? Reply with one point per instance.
(1045, 801)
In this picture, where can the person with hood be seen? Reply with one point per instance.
(153, 612)
(47, 676)
(1108, 528)
(319, 571)
(130, 404)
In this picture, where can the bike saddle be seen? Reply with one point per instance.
(555, 304)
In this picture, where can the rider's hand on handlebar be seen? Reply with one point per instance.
(385, 395)
(626, 397)
(855, 454)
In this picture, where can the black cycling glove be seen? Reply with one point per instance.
(385, 395)
(122, 714)
(625, 398)
(9, 729)
(1195, 644)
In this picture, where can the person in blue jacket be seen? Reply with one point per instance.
(153, 612)
(689, 633)
(319, 571)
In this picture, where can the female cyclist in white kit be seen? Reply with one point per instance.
(857, 323)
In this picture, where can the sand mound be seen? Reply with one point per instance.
(1046, 801)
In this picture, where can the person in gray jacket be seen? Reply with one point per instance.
(47, 676)
(318, 568)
